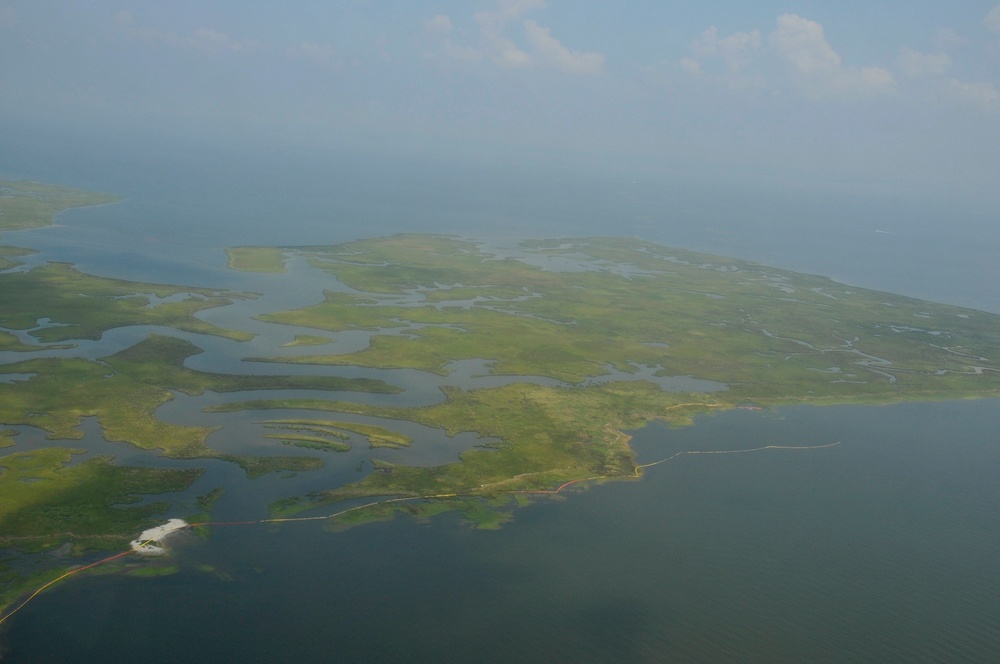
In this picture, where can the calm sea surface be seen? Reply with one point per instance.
(880, 549)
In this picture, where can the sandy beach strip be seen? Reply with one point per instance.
(149, 542)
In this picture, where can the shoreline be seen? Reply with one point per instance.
(151, 542)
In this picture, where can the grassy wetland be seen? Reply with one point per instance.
(577, 310)
(55, 303)
(592, 337)
(767, 333)
(376, 436)
(25, 204)
(49, 495)
(124, 390)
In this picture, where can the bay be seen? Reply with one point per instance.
(879, 549)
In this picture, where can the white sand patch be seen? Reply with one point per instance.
(150, 542)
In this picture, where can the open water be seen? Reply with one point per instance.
(880, 549)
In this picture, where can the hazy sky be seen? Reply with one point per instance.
(898, 96)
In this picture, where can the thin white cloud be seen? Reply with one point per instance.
(511, 56)
(915, 64)
(440, 23)
(493, 23)
(817, 68)
(804, 47)
(871, 79)
(213, 41)
(551, 51)
(983, 95)
(321, 55)
(496, 45)
(992, 20)
(928, 71)
(206, 40)
(464, 53)
(947, 39)
(736, 50)
(509, 10)
(691, 66)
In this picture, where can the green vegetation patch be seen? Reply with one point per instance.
(570, 310)
(378, 436)
(25, 204)
(574, 309)
(257, 259)
(765, 332)
(81, 306)
(45, 502)
(76, 305)
(124, 390)
(10, 342)
(312, 442)
(17, 252)
(255, 466)
(478, 513)
(9, 256)
(152, 570)
(307, 340)
(207, 501)
(545, 436)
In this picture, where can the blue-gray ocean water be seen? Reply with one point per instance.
(880, 549)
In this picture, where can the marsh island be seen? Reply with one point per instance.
(545, 352)
(608, 334)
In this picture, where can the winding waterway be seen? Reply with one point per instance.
(879, 549)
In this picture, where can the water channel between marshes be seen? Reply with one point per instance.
(881, 548)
